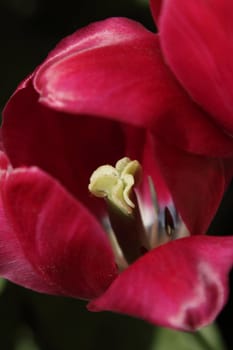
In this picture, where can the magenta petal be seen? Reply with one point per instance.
(203, 62)
(68, 143)
(115, 69)
(156, 6)
(182, 284)
(14, 266)
(196, 183)
(139, 145)
(61, 240)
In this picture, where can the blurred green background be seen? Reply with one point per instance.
(30, 321)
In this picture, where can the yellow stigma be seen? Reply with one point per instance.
(116, 184)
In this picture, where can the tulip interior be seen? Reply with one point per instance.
(129, 236)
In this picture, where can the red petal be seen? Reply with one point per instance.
(196, 183)
(196, 38)
(156, 6)
(13, 264)
(182, 284)
(139, 145)
(58, 237)
(115, 69)
(68, 148)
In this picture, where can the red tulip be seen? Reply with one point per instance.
(110, 90)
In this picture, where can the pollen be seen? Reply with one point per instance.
(116, 184)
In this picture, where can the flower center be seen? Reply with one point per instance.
(116, 184)
(128, 236)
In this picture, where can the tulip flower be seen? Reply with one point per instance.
(118, 112)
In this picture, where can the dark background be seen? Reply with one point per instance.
(30, 321)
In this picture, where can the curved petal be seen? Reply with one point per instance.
(14, 266)
(58, 237)
(203, 63)
(112, 31)
(152, 192)
(139, 145)
(155, 6)
(115, 69)
(68, 148)
(182, 284)
(197, 184)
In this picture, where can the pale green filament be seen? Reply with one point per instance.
(116, 184)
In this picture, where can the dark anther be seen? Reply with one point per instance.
(169, 223)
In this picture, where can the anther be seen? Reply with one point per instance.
(169, 223)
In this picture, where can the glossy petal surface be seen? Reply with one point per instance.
(13, 264)
(203, 63)
(68, 148)
(182, 284)
(107, 91)
(71, 141)
(139, 145)
(196, 183)
(58, 237)
(115, 69)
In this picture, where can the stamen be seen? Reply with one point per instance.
(169, 223)
(155, 229)
(116, 185)
(127, 234)
(119, 257)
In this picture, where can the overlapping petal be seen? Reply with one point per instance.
(203, 62)
(61, 144)
(155, 7)
(196, 183)
(103, 93)
(67, 148)
(139, 145)
(182, 284)
(115, 69)
(58, 242)
(13, 264)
